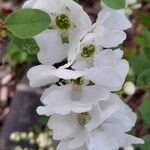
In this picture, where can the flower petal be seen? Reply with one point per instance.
(63, 145)
(116, 20)
(67, 74)
(108, 38)
(41, 75)
(49, 6)
(51, 47)
(29, 4)
(64, 126)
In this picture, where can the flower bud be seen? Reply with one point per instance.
(129, 88)
(129, 148)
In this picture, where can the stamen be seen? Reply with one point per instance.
(88, 51)
(62, 21)
(83, 118)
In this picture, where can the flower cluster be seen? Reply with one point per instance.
(83, 73)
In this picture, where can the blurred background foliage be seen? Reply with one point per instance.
(135, 92)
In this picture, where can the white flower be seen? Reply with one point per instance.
(99, 37)
(109, 71)
(76, 127)
(71, 98)
(111, 133)
(68, 20)
(103, 127)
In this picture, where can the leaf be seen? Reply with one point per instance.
(144, 38)
(147, 53)
(145, 111)
(139, 64)
(115, 4)
(43, 120)
(144, 78)
(145, 18)
(77, 1)
(146, 145)
(2, 15)
(28, 45)
(14, 55)
(26, 23)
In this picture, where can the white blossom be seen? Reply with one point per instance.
(65, 99)
(84, 114)
(68, 21)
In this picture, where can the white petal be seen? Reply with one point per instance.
(61, 101)
(108, 112)
(101, 140)
(109, 71)
(79, 16)
(49, 6)
(119, 53)
(96, 117)
(123, 117)
(63, 145)
(64, 126)
(67, 74)
(105, 58)
(122, 68)
(29, 4)
(80, 65)
(116, 19)
(128, 140)
(108, 38)
(106, 77)
(51, 47)
(41, 75)
(79, 141)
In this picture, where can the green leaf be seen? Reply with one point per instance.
(145, 18)
(145, 111)
(147, 53)
(144, 78)
(144, 38)
(43, 120)
(26, 23)
(139, 64)
(14, 55)
(146, 145)
(2, 15)
(77, 1)
(28, 45)
(115, 4)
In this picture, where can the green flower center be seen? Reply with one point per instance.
(63, 22)
(88, 51)
(79, 81)
(83, 118)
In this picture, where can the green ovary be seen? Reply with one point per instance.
(88, 51)
(63, 22)
(83, 118)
